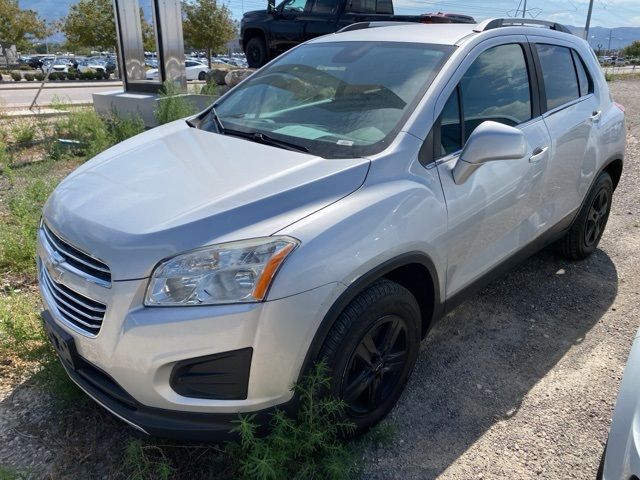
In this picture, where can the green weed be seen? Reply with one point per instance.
(307, 447)
(23, 132)
(7, 473)
(172, 105)
(146, 462)
(22, 337)
(18, 235)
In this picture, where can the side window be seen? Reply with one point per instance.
(584, 79)
(293, 7)
(560, 80)
(324, 7)
(496, 87)
(450, 127)
(361, 6)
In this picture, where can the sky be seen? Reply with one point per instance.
(606, 13)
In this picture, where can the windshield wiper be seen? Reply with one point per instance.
(216, 119)
(265, 139)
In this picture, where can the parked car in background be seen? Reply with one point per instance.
(331, 207)
(264, 34)
(621, 458)
(60, 65)
(90, 64)
(195, 70)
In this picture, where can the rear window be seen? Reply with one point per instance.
(560, 79)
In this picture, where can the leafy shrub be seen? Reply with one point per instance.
(99, 74)
(18, 234)
(17, 76)
(39, 76)
(92, 133)
(307, 447)
(88, 75)
(29, 77)
(172, 105)
(122, 128)
(72, 75)
(25, 67)
(85, 127)
(53, 76)
(23, 132)
(209, 88)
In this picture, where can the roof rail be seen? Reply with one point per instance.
(363, 25)
(492, 23)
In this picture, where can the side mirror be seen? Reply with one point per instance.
(489, 141)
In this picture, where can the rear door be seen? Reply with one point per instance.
(571, 113)
(287, 30)
(323, 19)
(497, 210)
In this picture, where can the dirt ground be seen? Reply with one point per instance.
(519, 382)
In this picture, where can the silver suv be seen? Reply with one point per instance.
(332, 206)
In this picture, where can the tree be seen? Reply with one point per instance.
(18, 27)
(632, 50)
(207, 25)
(90, 23)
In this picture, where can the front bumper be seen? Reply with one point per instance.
(190, 426)
(137, 349)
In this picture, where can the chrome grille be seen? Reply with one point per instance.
(88, 266)
(84, 313)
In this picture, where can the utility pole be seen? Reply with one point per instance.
(588, 24)
(610, 32)
(524, 8)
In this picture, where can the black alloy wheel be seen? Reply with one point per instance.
(370, 351)
(597, 218)
(582, 238)
(376, 365)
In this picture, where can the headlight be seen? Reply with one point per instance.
(231, 272)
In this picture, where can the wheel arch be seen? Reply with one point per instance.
(414, 270)
(249, 33)
(614, 168)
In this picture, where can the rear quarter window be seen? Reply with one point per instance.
(560, 78)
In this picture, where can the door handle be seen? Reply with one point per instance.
(538, 153)
(595, 116)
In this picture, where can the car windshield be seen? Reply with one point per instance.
(335, 100)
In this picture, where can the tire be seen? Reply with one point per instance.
(202, 76)
(582, 238)
(371, 350)
(256, 52)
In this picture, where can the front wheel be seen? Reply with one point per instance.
(582, 238)
(202, 75)
(371, 350)
(256, 52)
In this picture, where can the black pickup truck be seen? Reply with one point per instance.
(265, 34)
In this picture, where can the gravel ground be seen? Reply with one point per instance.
(519, 382)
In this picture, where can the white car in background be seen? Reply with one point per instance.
(93, 65)
(196, 70)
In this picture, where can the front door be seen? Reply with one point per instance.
(497, 210)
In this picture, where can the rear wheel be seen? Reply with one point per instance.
(256, 52)
(371, 351)
(582, 238)
(202, 75)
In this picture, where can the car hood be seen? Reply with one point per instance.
(175, 188)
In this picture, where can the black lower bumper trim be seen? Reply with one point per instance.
(180, 425)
